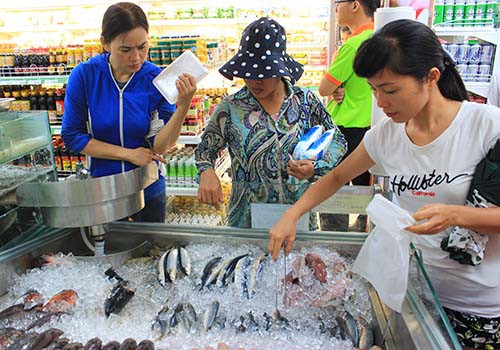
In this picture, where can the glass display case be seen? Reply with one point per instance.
(25, 156)
(421, 325)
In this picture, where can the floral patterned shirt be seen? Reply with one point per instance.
(260, 148)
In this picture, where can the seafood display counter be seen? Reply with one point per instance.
(176, 287)
(26, 155)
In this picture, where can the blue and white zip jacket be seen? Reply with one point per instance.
(95, 107)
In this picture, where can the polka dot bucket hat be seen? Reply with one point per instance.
(262, 54)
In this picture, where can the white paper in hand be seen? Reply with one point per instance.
(384, 257)
(185, 63)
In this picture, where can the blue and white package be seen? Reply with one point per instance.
(320, 146)
(307, 140)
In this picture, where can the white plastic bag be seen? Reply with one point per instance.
(320, 146)
(306, 140)
(384, 257)
(185, 63)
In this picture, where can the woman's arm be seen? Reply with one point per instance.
(74, 128)
(439, 217)
(206, 154)
(168, 135)
(284, 230)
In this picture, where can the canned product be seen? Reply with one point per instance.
(459, 13)
(484, 72)
(462, 69)
(472, 70)
(487, 53)
(438, 13)
(491, 6)
(480, 16)
(449, 7)
(469, 12)
(454, 50)
(464, 53)
(475, 53)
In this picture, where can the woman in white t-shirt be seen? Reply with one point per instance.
(429, 146)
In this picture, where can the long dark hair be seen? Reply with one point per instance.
(409, 47)
(121, 18)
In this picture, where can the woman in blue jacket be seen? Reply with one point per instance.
(114, 114)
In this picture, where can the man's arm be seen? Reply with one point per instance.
(328, 85)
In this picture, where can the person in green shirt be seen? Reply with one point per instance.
(351, 98)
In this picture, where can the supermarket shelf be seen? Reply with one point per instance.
(479, 88)
(189, 140)
(50, 28)
(193, 191)
(198, 22)
(484, 33)
(35, 80)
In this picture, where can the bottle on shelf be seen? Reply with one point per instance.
(59, 99)
(34, 100)
(51, 106)
(42, 100)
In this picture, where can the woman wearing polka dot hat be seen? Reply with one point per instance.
(261, 124)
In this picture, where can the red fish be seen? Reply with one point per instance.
(317, 265)
(61, 302)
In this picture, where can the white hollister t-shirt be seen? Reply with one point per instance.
(441, 172)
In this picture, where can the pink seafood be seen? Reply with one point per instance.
(295, 274)
(317, 265)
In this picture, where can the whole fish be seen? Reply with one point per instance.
(93, 344)
(30, 299)
(349, 326)
(188, 309)
(162, 320)
(9, 336)
(255, 274)
(120, 296)
(317, 265)
(241, 276)
(43, 320)
(163, 277)
(171, 264)
(228, 272)
(294, 275)
(58, 344)
(112, 345)
(366, 338)
(207, 270)
(73, 346)
(210, 315)
(61, 302)
(222, 271)
(45, 338)
(22, 318)
(128, 344)
(145, 345)
(23, 342)
(184, 261)
(11, 310)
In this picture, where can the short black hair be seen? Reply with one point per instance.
(369, 6)
(121, 18)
